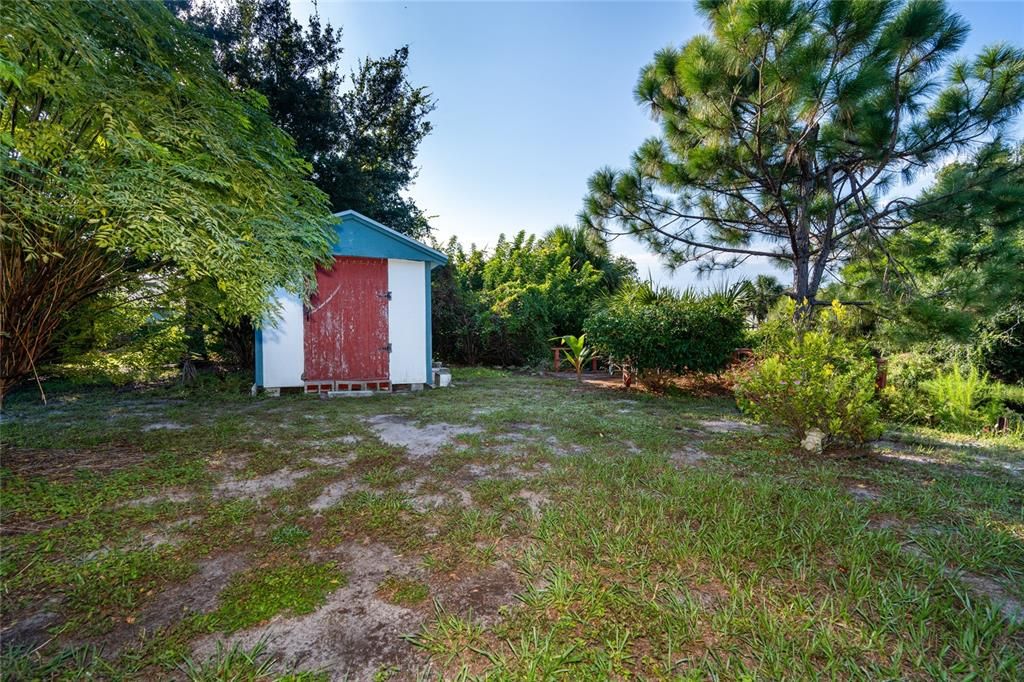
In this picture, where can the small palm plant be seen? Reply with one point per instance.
(577, 352)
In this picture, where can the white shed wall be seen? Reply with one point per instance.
(283, 359)
(407, 321)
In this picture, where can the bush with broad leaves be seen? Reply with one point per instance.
(660, 340)
(814, 378)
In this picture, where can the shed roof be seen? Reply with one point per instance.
(362, 236)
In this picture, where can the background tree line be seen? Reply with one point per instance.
(503, 307)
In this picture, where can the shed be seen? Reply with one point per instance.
(367, 327)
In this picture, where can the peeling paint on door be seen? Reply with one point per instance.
(346, 323)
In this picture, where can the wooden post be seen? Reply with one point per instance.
(558, 359)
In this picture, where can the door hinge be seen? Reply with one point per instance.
(387, 348)
(386, 294)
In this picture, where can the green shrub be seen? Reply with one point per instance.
(669, 337)
(515, 328)
(902, 398)
(818, 379)
(120, 337)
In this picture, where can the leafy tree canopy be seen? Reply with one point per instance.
(362, 141)
(124, 151)
(786, 128)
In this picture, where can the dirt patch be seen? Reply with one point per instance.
(176, 495)
(432, 498)
(168, 533)
(886, 522)
(728, 426)
(355, 634)
(1014, 468)
(476, 472)
(710, 594)
(258, 487)
(335, 493)
(1011, 607)
(419, 441)
(536, 501)
(340, 440)
(427, 502)
(198, 594)
(481, 595)
(971, 461)
(30, 628)
(165, 426)
(523, 427)
(333, 460)
(904, 456)
(688, 456)
(862, 492)
(431, 501)
(631, 447)
(561, 449)
(507, 471)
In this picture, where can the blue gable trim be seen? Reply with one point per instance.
(361, 236)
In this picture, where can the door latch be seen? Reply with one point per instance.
(387, 348)
(386, 294)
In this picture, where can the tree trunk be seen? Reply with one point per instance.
(802, 291)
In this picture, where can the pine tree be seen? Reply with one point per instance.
(784, 129)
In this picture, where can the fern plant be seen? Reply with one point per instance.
(962, 400)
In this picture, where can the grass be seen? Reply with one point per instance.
(257, 595)
(403, 591)
(238, 663)
(566, 538)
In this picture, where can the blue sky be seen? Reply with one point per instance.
(533, 97)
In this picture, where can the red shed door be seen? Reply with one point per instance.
(347, 322)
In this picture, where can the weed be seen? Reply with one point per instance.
(750, 563)
(449, 635)
(289, 535)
